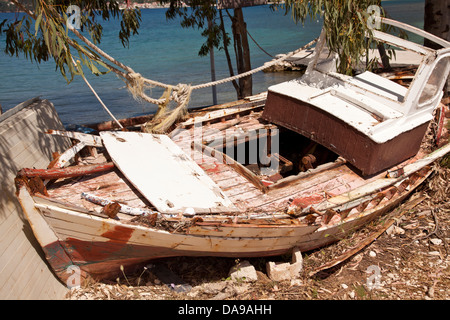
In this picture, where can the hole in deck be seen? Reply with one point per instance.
(274, 154)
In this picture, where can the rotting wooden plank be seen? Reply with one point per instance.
(231, 183)
(297, 189)
(87, 139)
(106, 183)
(43, 201)
(241, 195)
(217, 132)
(378, 184)
(70, 172)
(303, 175)
(64, 159)
(125, 196)
(217, 170)
(251, 231)
(217, 115)
(250, 176)
(128, 198)
(66, 229)
(362, 244)
(94, 181)
(239, 136)
(164, 174)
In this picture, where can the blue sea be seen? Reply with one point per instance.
(165, 52)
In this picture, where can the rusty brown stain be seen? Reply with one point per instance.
(216, 168)
(111, 209)
(118, 234)
(304, 202)
(36, 185)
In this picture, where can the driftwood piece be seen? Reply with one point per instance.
(69, 172)
(122, 207)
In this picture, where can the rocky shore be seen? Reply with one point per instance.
(148, 5)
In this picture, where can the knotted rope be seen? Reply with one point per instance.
(164, 119)
(181, 93)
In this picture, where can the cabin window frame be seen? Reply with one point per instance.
(435, 75)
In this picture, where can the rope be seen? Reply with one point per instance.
(96, 95)
(137, 79)
(259, 45)
(245, 74)
(181, 93)
(164, 120)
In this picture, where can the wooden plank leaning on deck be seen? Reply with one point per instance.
(250, 176)
(69, 172)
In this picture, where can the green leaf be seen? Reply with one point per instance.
(37, 23)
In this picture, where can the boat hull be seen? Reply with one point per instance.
(99, 247)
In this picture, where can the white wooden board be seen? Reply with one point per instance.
(164, 174)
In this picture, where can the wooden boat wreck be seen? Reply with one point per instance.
(242, 179)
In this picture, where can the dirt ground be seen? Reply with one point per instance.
(408, 261)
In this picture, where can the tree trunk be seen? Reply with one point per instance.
(227, 53)
(437, 20)
(384, 57)
(242, 53)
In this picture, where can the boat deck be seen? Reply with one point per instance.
(250, 192)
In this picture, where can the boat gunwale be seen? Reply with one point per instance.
(245, 219)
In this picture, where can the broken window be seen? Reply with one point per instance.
(434, 83)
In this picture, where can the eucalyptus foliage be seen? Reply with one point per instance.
(202, 15)
(43, 32)
(345, 23)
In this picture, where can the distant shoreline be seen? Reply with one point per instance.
(147, 5)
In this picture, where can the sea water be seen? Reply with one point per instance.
(165, 52)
